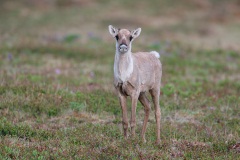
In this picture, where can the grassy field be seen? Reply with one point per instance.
(57, 99)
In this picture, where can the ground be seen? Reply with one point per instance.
(57, 99)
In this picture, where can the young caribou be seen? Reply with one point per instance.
(134, 75)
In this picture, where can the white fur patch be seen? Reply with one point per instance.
(155, 53)
(121, 73)
(124, 75)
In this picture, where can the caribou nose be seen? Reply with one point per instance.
(123, 48)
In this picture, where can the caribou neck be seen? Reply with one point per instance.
(123, 66)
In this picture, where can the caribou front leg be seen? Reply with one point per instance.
(134, 98)
(146, 104)
(123, 103)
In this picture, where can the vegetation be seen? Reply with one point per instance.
(57, 99)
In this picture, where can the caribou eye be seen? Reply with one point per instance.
(131, 38)
(117, 37)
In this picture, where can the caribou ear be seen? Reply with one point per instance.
(135, 33)
(112, 30)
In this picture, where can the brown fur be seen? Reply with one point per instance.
(145, 76)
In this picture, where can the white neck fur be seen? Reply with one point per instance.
(123, 65)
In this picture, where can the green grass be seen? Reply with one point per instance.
(57, 99)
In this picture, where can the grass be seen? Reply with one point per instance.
(57, 100)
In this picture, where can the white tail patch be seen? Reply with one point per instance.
(155, 53)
